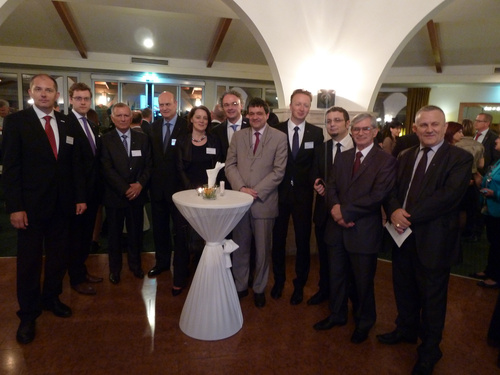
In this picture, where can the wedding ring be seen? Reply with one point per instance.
(397, 225)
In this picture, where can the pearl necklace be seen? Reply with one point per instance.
(199, 140)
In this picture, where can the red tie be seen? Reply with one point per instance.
(50, 135)
(257, 134)
(477, 136)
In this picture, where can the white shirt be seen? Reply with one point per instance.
(53, 123)
(480, 139)
(346, 144)
(230, 130)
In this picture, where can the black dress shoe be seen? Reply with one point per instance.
(277, 291)
(259, 299)
(176, 291)
(359, 335)
(84, 288)
(114, 278)
(138, 273)
(297, 296)
(26, 332)
(395, 337)
(57, 307)
(317, 298)
(243, 294)
(328, 323)
(483, 284)
(93, 279)
(156, 270)
(423, 368)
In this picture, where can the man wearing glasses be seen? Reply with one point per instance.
(362, 178)
(87, 134)
(487, 137)
(232, 104)
(337, 127)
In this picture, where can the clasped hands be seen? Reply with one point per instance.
(337, 216)
(133, 191)
(399, 220)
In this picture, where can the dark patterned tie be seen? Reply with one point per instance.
(257, 135)
(125, 143)
(166, 138)
(357, 162)
(295, 142)
(416, 182)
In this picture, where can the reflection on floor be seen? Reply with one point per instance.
(132, 328)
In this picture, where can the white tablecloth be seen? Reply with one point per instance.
(212, 310)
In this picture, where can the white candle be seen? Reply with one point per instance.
(222, 188)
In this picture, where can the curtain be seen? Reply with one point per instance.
(417, 98)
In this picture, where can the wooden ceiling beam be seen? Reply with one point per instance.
(219, 38)
(74, 33)
(432, 28)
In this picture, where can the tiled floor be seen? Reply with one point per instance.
(113, 333)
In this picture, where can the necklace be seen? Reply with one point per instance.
(199, 140)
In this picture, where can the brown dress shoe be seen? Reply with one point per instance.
(84, 288)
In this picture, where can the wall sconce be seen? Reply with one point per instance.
(325, 98)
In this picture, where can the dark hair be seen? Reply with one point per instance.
(453, 127)
(79, 86)
(258, 102)
(146, 112)
(301, 91)
(338, 109)
(46, 76)
(191, 114)
(136, 117)
(468, 129)
(391, 125)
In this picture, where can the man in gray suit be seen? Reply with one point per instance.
(255, 165)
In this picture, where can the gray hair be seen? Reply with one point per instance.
(363, 116)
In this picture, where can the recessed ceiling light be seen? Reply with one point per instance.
(148, 43)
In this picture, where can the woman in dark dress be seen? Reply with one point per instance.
(195, 153)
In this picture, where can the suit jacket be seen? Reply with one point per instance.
(120, 170)
(34, 181)
(90, 163)
(262, 172)
(404, 142)
(165, 180)
(490, 154)
(299, 170)
(360, 198)
(434, 216)
(184, 156)
(322, 159)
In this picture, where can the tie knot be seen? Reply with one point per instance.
(426, 150)
(296, 129)
(359, 154)
(234, 127)
(124, 136)
(338, 145)
(257, 134)
(47, 118)
(84, 119)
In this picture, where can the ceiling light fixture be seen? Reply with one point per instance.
(148, 43)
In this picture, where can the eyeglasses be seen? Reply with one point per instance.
(233, 104)
(359, 130)
(480, 121)
(81, 98)
(335, 120)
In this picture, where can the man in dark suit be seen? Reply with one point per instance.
(487, 138)
(165, 181)
(431, 181)
(337, 126)
(147, 117)
(218, 115)
(361, 179)
(82, 227)
(296, 195)
(42, 185)
(126, 168)
(256, 162)
(232, 104)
